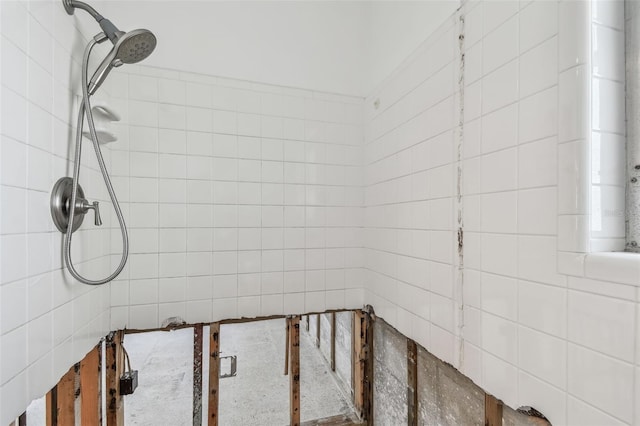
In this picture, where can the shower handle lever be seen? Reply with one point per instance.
(95, 206)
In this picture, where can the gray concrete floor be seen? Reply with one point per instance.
(258, 395)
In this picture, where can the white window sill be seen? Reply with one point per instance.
(614, 267)
(617, 267)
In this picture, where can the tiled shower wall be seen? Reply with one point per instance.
(245, 199)
(47, 320)
(477, 139)
(242, 199)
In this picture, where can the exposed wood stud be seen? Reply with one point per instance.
(90, 388)
(492, 411)
(412, 383)
(333, 341)
(114, 365)
(307, 321)
(66, 398)
(359, 333)
(51, 402)
(286, 345)
(353, 355)
(22, 420)
(368, 375)
(214, 373)
(197, 374)
(294, 376)
(318, 321)
(102, 386)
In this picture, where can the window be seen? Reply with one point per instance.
(632, 56)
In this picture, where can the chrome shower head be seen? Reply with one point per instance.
(134, 46)
(128, 48)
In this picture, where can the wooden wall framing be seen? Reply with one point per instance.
(114, 365)
(90, 375)
(197, 374)
(492, 411)
(214, 373)
(412, 383)
(294, 372)
(362, 367)
(60, 401)
(83, 380)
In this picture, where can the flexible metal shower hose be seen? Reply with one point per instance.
(85, 106)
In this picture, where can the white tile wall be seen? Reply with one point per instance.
(244, 199)
(237, 195)
(533, 330)
(47, 320)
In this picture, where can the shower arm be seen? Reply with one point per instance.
(109, 29)
(71, 5)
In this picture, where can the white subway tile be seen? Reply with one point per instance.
(499, 212)
(501, 45)
(610, 13)
(573, 174)
(602, 323)
(543, 356)
(500, 129)
(147, 114)
(608, 51)
(539, 67)
(171, 91)
(500, 378)
(499, 296)
(497, 12)
(200, 95)
(537, 163)
(607, 106)
(538, 22)
(537, 260)
(143, 88)
(573, 35)
(499, 254)
(500, 87)
(583, 413)
(499, 171)
(573, 113)
(601, 381)
(537, 212)
(538, 115)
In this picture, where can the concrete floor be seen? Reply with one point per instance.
(257, 396)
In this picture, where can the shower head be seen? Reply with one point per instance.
(134, 46)
(128, 48)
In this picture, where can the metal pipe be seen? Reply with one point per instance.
(69, 5)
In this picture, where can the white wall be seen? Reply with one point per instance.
(528, 322)
(243, 199)
(47, 320)
(311, 45)
(544, 322)
(345, 47)
(395, 29)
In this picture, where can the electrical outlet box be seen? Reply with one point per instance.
(128, 382)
